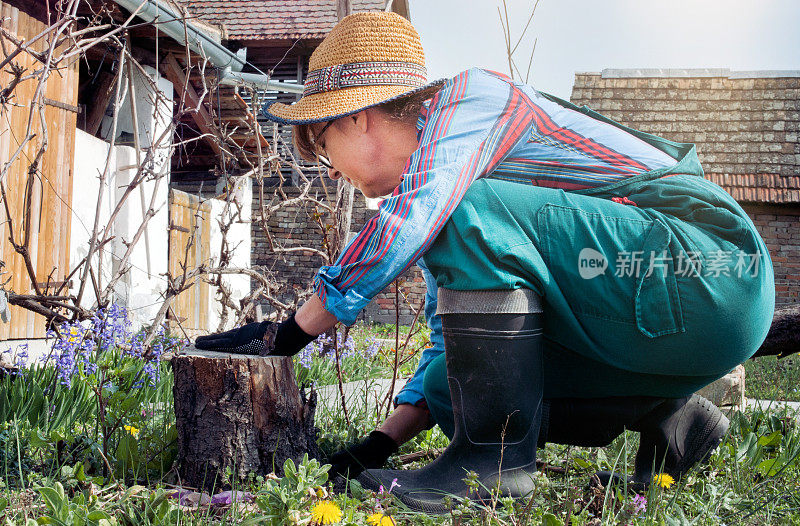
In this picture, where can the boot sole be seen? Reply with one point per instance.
(438, 507)
(516, 483)
(705, 442)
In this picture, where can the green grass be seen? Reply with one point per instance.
(768, 378)
(752, 479)
(51, 471)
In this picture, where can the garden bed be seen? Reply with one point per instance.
(90, 439)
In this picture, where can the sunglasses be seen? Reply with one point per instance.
(324, 161)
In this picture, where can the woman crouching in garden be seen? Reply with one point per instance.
(583, 277)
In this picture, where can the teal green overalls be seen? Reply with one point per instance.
(656, 285)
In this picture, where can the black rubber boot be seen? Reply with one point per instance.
(494, 368)
(676, 435)
(675, 432)
(591, 422)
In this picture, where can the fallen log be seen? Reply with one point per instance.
(783, 338)
(240, 414)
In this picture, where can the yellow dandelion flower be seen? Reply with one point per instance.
(379, 519)
(132, 430)
(663, 480)
(325, 512)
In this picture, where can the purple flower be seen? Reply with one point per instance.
(306, 355)
(22, 356)
(190, 498)
(152, 371)
(72, 345)
(137, 345)
(78, 346)
(373, 348)
(639, 503)
(157, 351)
(66, 366)
(348, 348)
(391, 487)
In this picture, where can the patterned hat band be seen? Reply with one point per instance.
(364, 74)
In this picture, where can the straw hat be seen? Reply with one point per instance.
(367, 59)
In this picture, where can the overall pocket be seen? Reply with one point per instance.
(658, 304)
(614, 267)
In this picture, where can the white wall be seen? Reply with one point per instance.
(90, 160)
(141, 287)
(154, 100)
(238, 242)
(139, 290)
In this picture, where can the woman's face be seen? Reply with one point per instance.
(360, 150)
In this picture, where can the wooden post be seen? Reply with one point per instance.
(783, 338)
(100, 102)
(240, 412)
(203, 119)
(343, 8)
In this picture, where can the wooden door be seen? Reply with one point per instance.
(189, 247)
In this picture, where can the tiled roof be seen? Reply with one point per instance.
(274, 19)
(755, 188)
(745, 124)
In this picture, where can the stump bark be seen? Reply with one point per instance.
(240, 412)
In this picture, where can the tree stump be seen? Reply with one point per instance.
(240, 412)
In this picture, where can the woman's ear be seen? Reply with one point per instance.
(361, 120)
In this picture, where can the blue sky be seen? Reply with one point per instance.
(590, 35)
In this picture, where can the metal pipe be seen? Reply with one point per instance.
(238, 78)
(171, 23)
(199, 42)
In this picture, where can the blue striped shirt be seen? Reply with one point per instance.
(480, 124)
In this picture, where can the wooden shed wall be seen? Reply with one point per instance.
(40, 202)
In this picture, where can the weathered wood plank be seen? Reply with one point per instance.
(39, 201)
(97, 111)
(190, 220)
(204, 256)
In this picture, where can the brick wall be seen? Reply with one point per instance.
(412, 298)
(780, 229)
(291, 227)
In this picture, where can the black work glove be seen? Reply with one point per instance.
(261, 339)
(372, 452)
